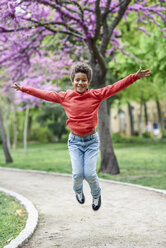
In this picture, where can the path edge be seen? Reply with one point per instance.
(31, 223)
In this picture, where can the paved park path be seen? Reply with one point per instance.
(129, 217)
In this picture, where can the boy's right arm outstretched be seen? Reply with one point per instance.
(51, 96)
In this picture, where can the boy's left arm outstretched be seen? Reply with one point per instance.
(143, 73)
(113, 89)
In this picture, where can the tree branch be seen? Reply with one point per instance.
(48, 27)
(22, 51)
(93, 46)
(117, 19)
(45, 25)
(106, 11)
(70, 17)
(4, 30)
(106, 38)
(58, 9)
(81, 14)
(96, 55)
(98, 21)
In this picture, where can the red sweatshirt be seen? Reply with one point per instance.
(81, 108)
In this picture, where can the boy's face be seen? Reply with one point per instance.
(80, 82)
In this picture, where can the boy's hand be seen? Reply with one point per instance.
(16, 87)
(142, 74)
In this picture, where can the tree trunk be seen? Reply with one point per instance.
(160, 119)
(6, 116)
(140, 119)
(26, 129)
(14, 127)
(131, 118)
(29, 124)
(146, 113)
(109, 162)
(4, 143)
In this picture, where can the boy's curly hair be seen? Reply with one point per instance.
(83, 68)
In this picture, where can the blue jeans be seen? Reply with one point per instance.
(83, 153)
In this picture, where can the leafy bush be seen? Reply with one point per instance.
(117, 137)
(41, 134)
(164, 133)
(146, 135)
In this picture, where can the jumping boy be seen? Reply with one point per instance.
(81, 107)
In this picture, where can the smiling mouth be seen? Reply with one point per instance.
(80, 87)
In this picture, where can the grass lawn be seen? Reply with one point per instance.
(12, 219)
(143, 164)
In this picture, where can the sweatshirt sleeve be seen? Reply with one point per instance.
(51, 96)
(113, 89)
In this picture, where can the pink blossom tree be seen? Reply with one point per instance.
(90, 29)
(34, 78)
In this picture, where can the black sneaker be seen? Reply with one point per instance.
(80, 197)
(96, 203)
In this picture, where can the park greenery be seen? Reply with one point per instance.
(41, 39)
(12, 219)
(141, 160)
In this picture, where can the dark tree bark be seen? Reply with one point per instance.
(14, 127)
(140, 118)
(4, 143)
(26, 129)
(146, 113)
(159, 112)
(6, 126)
(131, 118)
(109, 162)
(30, 119)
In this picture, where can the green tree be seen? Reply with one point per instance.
(54, 117)
(148, 52)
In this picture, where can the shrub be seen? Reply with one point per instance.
(117, 137)
(163, 131)
(146, 135)
(41, 134)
